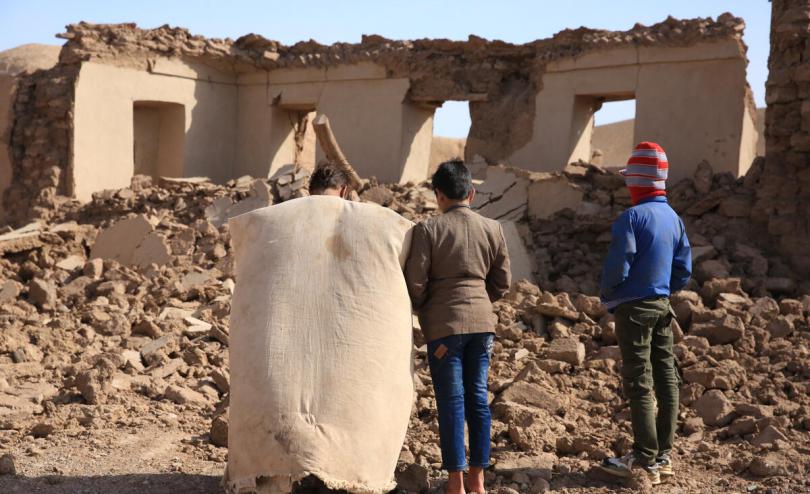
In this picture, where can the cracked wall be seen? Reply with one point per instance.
(243, 97)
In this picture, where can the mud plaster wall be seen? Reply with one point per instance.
(691, 100)
(500, 80)
(379, 131)
(103, 124)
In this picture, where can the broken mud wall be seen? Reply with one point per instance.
(782, 202)
(691, 100)
(40, 143)
(500, 80)
(187, 112)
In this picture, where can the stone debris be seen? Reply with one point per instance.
(22, 239)
(7, 466)
(84, 335)
(567, 350)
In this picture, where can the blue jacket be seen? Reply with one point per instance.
(649, 254)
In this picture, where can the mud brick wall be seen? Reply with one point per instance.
(783, 195)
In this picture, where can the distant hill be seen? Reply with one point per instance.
(28, 58)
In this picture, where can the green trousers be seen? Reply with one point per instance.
(644, 331)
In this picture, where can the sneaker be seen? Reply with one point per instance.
(623, 467)
(664, 465)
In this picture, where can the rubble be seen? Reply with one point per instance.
(88, 333)
(7, 466)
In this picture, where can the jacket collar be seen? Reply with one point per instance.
(456, 206)
(652, 199)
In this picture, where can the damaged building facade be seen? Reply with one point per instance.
(162, 102)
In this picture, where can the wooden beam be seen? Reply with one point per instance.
(332, 150)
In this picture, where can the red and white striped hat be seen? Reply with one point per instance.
(646, 172)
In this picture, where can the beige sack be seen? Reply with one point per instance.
(320, 346)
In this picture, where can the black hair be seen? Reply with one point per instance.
(453, 179)
(327, 175)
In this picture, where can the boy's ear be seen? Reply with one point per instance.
(471, 195)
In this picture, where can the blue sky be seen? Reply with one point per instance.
(36, 21)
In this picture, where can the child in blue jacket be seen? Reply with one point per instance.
(649, 258)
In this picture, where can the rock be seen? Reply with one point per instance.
(42, 293)
(702, 178)
(712, 268)
(133, 359)
(713, 287)
(567, 350)
(768, 436)
(714, 408)
(727, 375)
(791, 307)
(770, 465)
(537, 465)
(559, 306)
(553, 366)
(111, 287)
(378, 194)
(219, 430)
(153, 249)
(7, 466)
(690, 393)
(412, 477)
(93, 268)
(95, 384)
(42, 429)
(167, 369)
(71, 263)
(531, 394)
(727, 330)
(184, 396)
(222, 379)
(22, 239)
(120, 241)
(148, 328)
(9, 291)
(781, 327)
(504, 490)
(540, 486)
(260, 197)
(742, 427)
(149, 350)
(753, 410)
(591, 306)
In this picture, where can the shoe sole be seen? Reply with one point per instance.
(615, 472)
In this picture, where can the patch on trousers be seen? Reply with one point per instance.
(490, 345)
(440, 352)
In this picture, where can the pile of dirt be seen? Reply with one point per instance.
(115, 320)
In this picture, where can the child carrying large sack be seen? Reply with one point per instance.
(320, 346)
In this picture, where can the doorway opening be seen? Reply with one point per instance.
(613, 136)
(159, 132)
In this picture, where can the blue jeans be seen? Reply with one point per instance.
(459, 366)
